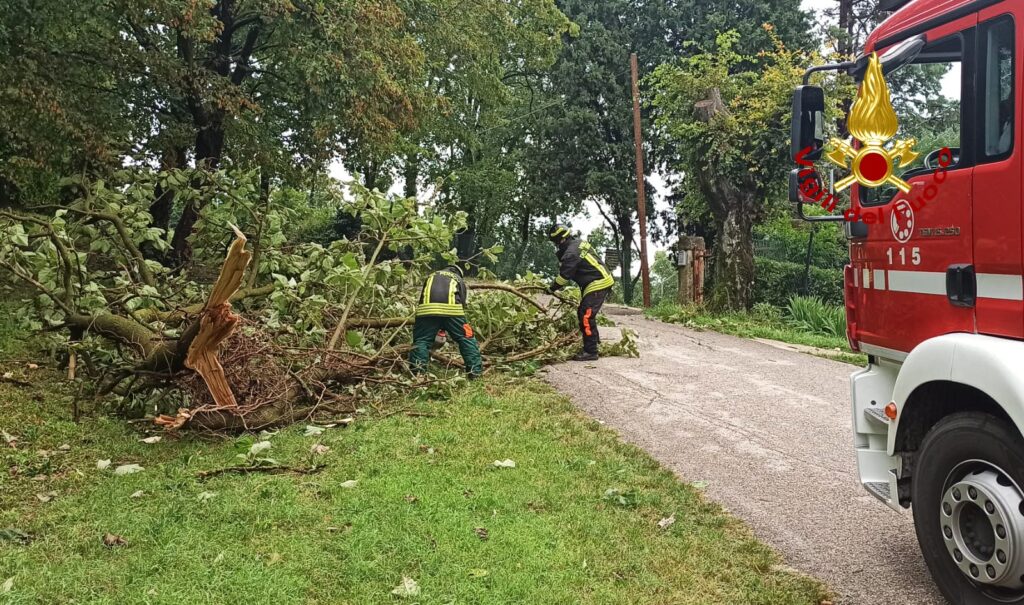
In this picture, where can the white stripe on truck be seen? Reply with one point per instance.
(990, 285)
(918, 282)
(1003, 287)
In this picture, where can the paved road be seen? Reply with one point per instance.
(768, 430)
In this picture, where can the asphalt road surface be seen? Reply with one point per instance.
(768, 431)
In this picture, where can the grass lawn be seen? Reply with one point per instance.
(752, 325)
(427, 504)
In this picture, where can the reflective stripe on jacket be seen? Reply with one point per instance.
(579, 263)
(444, 294)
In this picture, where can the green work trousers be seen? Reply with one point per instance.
(425, 330)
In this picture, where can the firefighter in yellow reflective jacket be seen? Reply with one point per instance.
(579, 263)
(442, 306)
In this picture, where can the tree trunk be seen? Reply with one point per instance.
(412, 175)
(524, 240)
(465, 241)
(209, 149)
(734, 258)
(163, 200)
(735, 205)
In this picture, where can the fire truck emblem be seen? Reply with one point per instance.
(873, 122)
(902, 221)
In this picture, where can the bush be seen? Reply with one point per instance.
(780, 238)
(811, 314)
(767, 312)
(776, 281)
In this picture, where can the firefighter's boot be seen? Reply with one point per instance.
(584, 356)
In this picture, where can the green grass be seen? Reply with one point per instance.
(764, 322)
(425, 484)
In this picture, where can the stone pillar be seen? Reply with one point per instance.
(690, 261)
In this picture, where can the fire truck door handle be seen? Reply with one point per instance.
(961, 285)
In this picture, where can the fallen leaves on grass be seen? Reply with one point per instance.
(259, 446)
(349, 484)
(407, 588)
(507, 463)
(137, 494)
(206, 496)
(9, 439)
(9, 378)
(151, 440)
(477, 573)
(626, 499)
(7, 586)
(319, 449)
(127, 469)
(46, 496)
(313, 431)
(12, 534)
(482, 533)
(667, 522)
(111, 540)
(411, 499)
(102, 464)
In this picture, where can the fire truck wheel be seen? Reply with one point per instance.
(969, 508)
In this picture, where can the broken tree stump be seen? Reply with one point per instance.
(217, 322)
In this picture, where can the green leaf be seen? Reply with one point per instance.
(18, 235)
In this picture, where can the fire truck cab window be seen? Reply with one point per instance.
(926, 95)
(997, 82)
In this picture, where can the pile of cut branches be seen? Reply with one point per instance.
(285, 330)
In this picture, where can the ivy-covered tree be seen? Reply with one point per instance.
(725, 119)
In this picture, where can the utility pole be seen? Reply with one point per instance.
(641, 203)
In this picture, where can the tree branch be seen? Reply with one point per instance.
(242, 69)
(38, 286)
(351, 301)
(181, 314)
(510, 290)
(62, 251)
(140, 261)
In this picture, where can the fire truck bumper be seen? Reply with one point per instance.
(872, 389)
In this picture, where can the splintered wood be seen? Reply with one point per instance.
(218, 322)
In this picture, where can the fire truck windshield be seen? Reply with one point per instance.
(926, 95)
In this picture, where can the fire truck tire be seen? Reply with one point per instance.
(969, 510)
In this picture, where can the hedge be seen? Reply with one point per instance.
(775, 281)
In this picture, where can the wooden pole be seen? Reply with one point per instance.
(641, 203)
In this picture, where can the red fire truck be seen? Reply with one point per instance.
(935, 294)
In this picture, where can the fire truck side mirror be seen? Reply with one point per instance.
(796, 186)
(808, 125)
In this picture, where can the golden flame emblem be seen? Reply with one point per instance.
(873, 122)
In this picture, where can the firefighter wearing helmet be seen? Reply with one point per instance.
(577, 262)
(442, 308)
